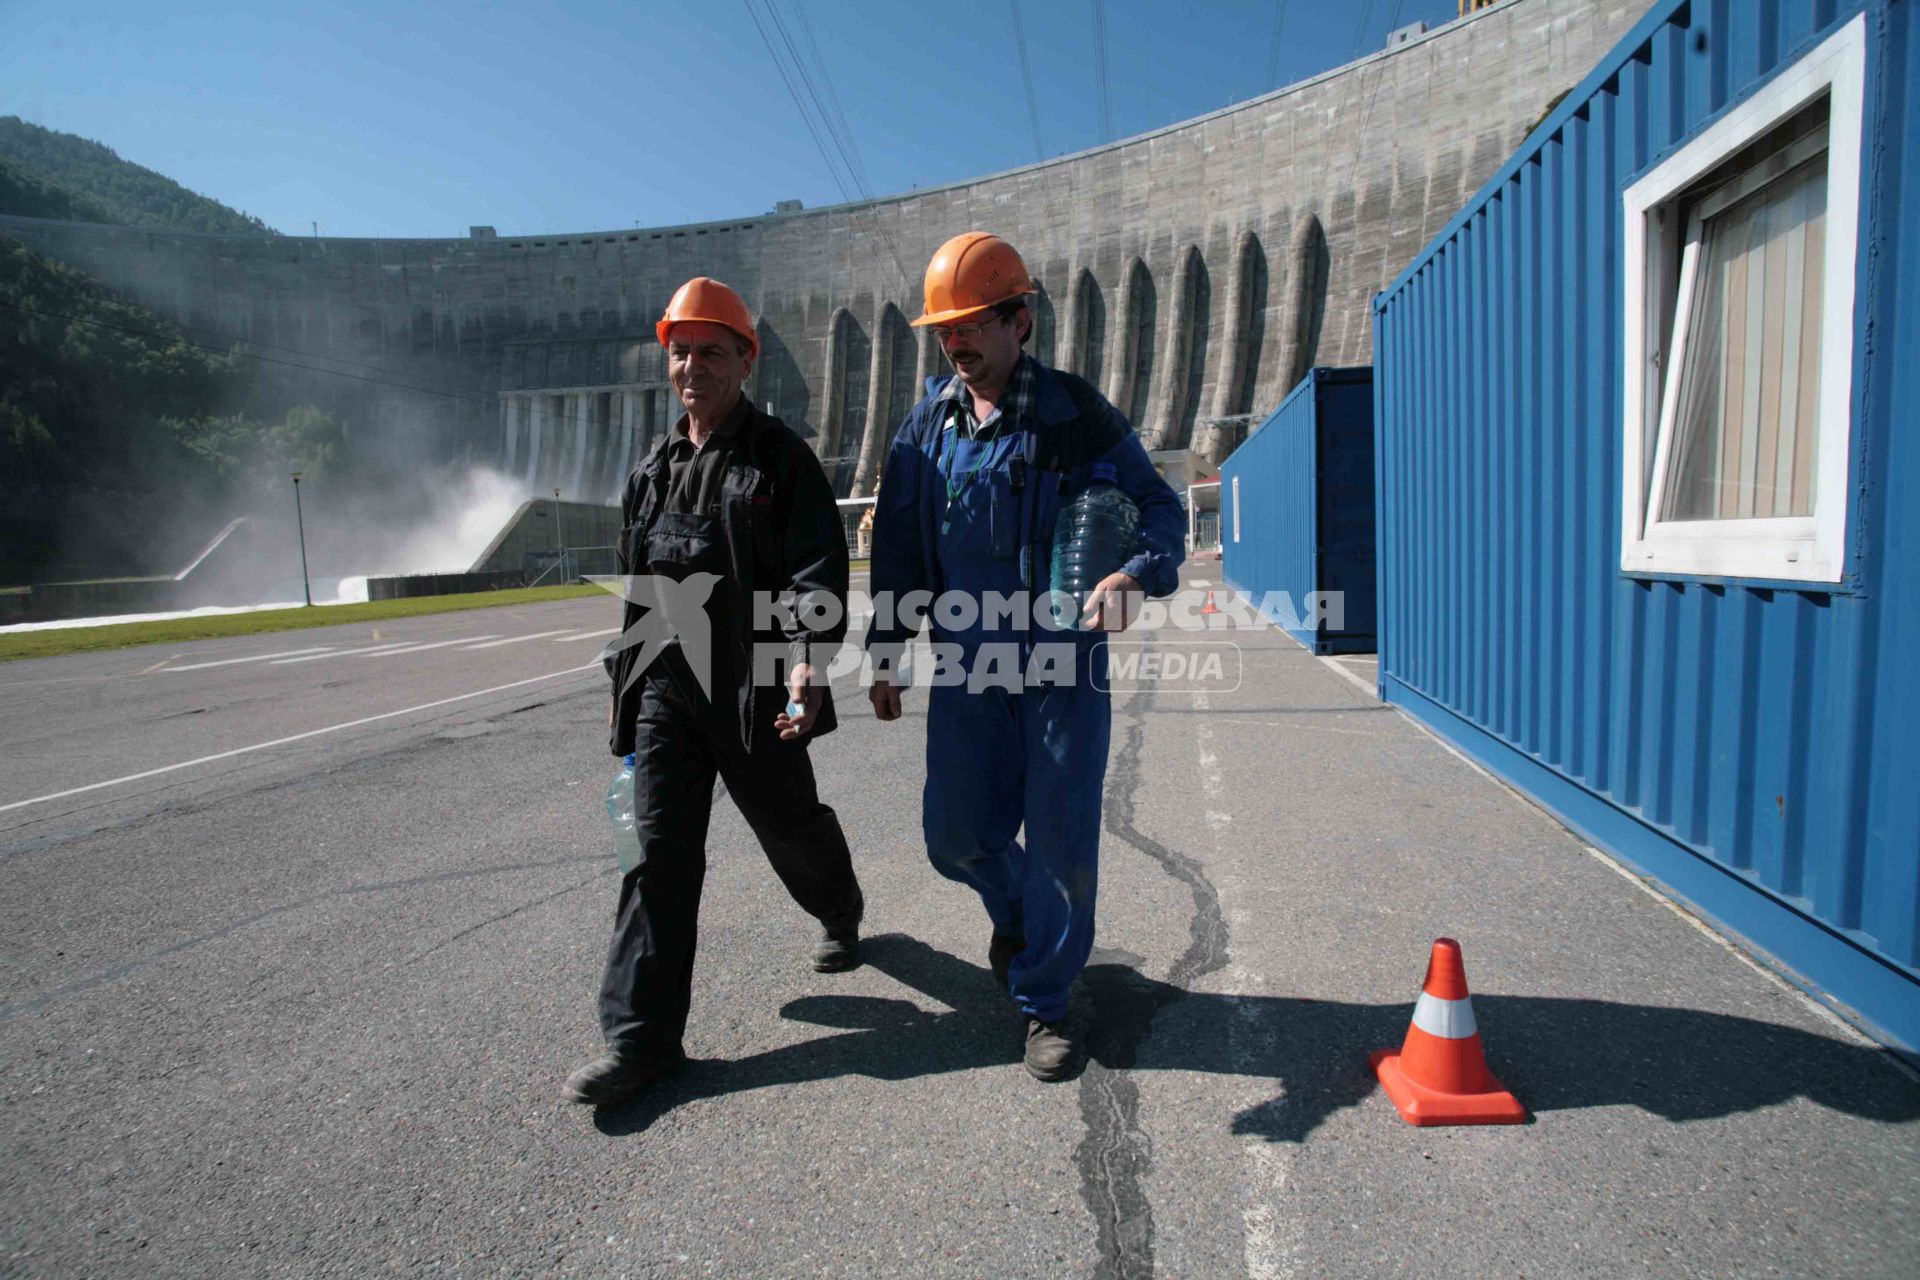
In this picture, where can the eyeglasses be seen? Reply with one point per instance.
(943, 333)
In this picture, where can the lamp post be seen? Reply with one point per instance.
(300, 522)
(559, 552)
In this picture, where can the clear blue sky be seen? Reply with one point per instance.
(418, 119)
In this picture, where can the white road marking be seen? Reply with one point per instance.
(258, 657)
(588, 635)
(1271, 1233)
(1272, 1241)
(345, 653)
(1218, 820)
(298, 737)
(417, 648)
(538, 635)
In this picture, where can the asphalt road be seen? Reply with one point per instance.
(298, 947)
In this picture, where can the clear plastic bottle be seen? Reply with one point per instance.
(626, 833)
(1093, 537)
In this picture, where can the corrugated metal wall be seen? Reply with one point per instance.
(1297, 508)
(1763, 743)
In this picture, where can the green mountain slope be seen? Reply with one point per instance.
(49, 167)
(23, 194)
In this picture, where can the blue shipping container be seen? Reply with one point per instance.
(1618, 565)
(1296, 512)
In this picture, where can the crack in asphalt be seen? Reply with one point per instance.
(510, 912)
(1116, 1153)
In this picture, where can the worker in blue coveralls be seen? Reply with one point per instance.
(1017, 712)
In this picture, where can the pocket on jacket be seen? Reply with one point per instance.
(686, 542)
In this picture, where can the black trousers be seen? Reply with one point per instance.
(682, 743)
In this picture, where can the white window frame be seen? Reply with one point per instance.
(1658, 259)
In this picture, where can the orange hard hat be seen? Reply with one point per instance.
(968, 274)
(706, 299)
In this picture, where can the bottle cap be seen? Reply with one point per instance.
(1105, 471)
(629, 760)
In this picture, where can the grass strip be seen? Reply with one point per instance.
(125, 635)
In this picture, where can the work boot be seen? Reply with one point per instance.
(1049, 1052)
(1000, 953)
(619, 1074)
(838, 949)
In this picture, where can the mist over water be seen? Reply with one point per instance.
(436, 521)
(442, 522)
(463, 513)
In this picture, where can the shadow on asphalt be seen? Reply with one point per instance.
(1556, 1054)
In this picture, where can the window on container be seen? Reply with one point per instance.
(1740, 269)
(1740, 410)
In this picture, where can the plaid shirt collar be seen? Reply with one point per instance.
(1014, 410)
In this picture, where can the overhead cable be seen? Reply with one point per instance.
(1273, 53)
(1100, 64)
(1373, 94)
(812, 105)
(1026, 79)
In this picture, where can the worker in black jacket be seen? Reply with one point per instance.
(727, 513)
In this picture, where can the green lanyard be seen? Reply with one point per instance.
(955, 489)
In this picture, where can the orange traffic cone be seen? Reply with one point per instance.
(1208, 606)
(1440, 1076)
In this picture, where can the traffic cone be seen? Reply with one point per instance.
(1440, 1076)
(1208, 607)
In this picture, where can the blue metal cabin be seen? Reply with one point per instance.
(1649, 478)
(1296, 509)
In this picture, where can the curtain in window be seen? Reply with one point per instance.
(1743, 444)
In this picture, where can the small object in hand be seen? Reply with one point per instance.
(794, 710)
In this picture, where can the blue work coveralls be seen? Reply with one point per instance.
(960, 515)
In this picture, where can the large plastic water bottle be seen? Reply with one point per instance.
(626, 832)
(1093, 537)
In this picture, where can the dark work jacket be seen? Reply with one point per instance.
(782, 532)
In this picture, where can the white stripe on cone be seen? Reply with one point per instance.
(1448, 1019)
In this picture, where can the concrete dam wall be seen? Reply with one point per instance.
(1194, 273)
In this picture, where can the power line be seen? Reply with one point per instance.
(1273, 54)
(833, 98)
(849, 149)
(1026, 78)
(827, 107)
(805, 117)
(855, 190)
(1100, 64)
(1360, 29)
(1373, 93)
(841, 143)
